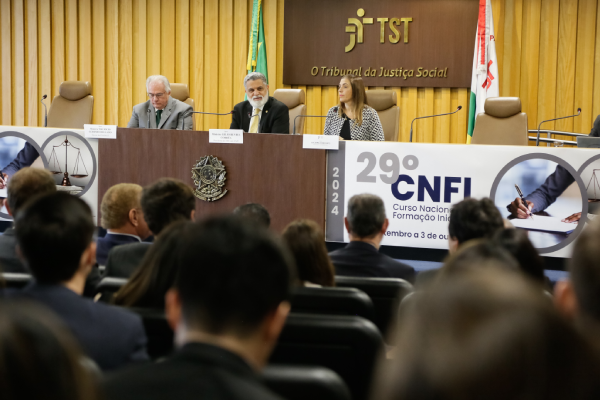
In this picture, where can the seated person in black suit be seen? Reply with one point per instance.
(366, 224)
(578, 297)
(122, 217)
(255, 212)
(163, 202)
(260, 113)
(24, 185)
(227, 312)
(55, 233)
(39, 358)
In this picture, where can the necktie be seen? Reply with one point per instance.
(254, 124)
(158, 113)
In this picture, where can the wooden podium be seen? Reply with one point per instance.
(273, 170)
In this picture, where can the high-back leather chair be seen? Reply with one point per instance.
(335, 301)
(294, 99)
(502, 122)
(385, 103)
(181, 92)
(296, 382)
(73, 107)
(348, 345)
(385, 293)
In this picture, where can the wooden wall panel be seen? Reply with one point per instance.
(548, 54)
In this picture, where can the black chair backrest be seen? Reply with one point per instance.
(346, 344)
(159, 333)
(336, 301)
(295, 382)
(108, 286)
(15, 280)
(386, 294)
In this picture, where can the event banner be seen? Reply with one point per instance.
(408, 43)
(66, 153)
(420, 182)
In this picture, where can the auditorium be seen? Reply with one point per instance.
(291, 199)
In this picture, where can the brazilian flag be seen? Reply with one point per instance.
(257, 51)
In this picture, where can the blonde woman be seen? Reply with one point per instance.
(352, 118)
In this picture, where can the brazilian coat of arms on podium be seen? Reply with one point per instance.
(209, 177)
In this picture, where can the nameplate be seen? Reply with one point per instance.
(100, 131)
(322, 142)
(226, 136)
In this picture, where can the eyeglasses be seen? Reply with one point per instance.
(157, 95)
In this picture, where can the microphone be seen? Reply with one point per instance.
(430, 116)
(305, 116)
(45, 110)
(148, 124)
(537, 142)
(207, 113)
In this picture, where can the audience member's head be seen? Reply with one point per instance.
(254, 212)
(155, 275)
(122, 212)
(54, 233)
(166, 201)
(306, 241)
(517, 243)
(473, 219)
(366, 217)
(39, 358)
(579, 297)
(487, 334)
(26, 184)
(478, 254)
(232, 287)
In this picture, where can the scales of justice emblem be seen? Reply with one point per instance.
(209, 177)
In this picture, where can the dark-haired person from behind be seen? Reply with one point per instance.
(55, 233)
(23, 186)
(254, 212)
(473, 219)
(578, 297)
(487, 334)
(39, 358)
(147, 286)
(306, 241)
(227, 311)
(366, 224)
(517, 243)
(164, 202)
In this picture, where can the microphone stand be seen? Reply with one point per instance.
(307, 116)
(537, 142)
(45, 110)
(431, 116)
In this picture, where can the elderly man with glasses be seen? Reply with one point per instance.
(161, 110)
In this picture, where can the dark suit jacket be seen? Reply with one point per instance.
(197, 371)
(9, 262)
(596, 128)
(24, 158)
(124, 259)
(554, 185)
(106, 243)
(111, 336)
(364, 260)
(275, 117)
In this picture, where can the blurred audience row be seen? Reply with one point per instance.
(485, 325)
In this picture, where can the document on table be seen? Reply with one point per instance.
(542, 223)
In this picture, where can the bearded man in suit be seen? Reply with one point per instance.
(260, 113)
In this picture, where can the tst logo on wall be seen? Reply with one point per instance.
(356, 28)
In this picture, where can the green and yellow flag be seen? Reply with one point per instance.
(257, 52)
